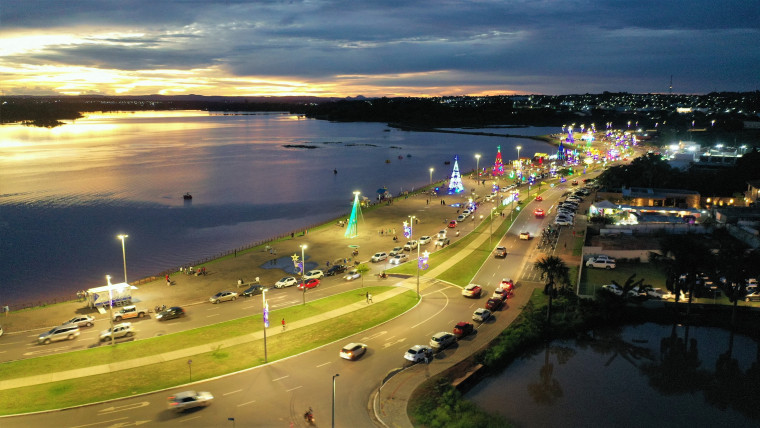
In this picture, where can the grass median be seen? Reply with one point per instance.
(214, 362)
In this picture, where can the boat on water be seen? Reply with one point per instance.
(187, 196)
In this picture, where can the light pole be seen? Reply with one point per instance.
(431, 175)
(124, 254)
(110, 304)
(512, 211)
(303, 272)
(491, 233)
(477, 165)
(411, 223)
(518, 153)
(265, 318)
(333, 401)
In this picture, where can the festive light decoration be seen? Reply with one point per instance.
(561, 151)
(455, 184)
(407, 230)
(298, 265)
(422, 262)
(351, 230)
(498, 166)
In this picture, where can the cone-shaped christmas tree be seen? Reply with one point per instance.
(351, 230)
(455, 184)
(498, 166)
(561, 151)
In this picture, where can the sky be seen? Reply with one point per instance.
(377, 48)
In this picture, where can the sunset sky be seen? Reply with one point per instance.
(377, 48)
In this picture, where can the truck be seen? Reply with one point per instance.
(120, 294)
(128, 312)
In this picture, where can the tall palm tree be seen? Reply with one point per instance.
(690, 257)
(554, 271)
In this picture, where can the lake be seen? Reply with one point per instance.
(66, 192)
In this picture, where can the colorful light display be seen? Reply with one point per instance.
(498, 166)
(455, 184)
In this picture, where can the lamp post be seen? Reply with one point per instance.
(512, 211)
(411, 226)
(431, 175)
(518, 153)
(265, 318)
(477, 165)
(333, 400)
(303, 272)
(110, 304)
(123, 254)
(491, 225)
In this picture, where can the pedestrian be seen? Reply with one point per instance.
(168, 283)
(283, 324)
(369, 297)
(327, 263)
(167, 277)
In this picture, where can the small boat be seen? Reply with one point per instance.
(447, 163)
(187, 196)
(387, 161)
(400, 157)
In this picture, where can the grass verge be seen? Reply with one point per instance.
(215, 362)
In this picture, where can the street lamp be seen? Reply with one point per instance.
(411, 223)
(333, 401)
(491, 233)
(303, 272)
(431, 175)
(477, 165)
(124, 254)
(518, 153)
(265, 318)
(110, 304)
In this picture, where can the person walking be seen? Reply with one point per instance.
(366, 296)
(369, 297)
(283, 324)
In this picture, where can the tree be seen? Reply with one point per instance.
(554, 271)
(689, 256)
(362, 269)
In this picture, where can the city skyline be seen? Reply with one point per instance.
(411, 48)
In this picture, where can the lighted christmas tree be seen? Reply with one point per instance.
(498, 166)
(351, 230)
(455, 184)
(561, 151)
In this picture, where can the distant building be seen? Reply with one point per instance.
(650, 197)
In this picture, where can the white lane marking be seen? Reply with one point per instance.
(45, 350)
(212, 315)
(435, 314)
(131, 406)
(280, 378)
(189, 419)
(389, 344)
(293, 389)
(245, 404)
(373, 336)
(251, 307)
(98, 423)
(324, 364)
(232, 392)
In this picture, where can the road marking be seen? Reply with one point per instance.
(46, 350)
(131, 406)
(435, 314)
(231, 392)
(280, 378)
(189, 419)
(251, 307)
(128, 424)
(98, 423)
(374, 336)
(324, 364)
(212, 315)
(245, 404)
(293, 389)
(389, 344)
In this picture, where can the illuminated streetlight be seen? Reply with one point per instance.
(110, 304)
(518, 153)
(431, 175)
(303, 272)
(491, 233)
(477, 164)
(265, 318)
(333, 401)
(124, 254)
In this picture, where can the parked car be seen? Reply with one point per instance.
(462, 329)
(604, 257)
(752, 297)
(425, 240)
(378, 257)
(81, 321)
(170, 313)
(500, 293)
(336, 269)
(442, 340)
(507, 284)
(353, 351)
(600, 264)
(411, 245)
(253, 290)
(396, 250)
(127, 312)
(481, 314)
(441, 234)
(461, 218)
(524, 235)
(62, 332)
(442, 242)
(574, 182)
(466, 213)
(614, 289)
(453, 223)
(472, 290)
(419, 353)
(188, 400)
(223, 296)
(561, 221)
(119, 330)
(310, 283)
(494, 304)
(316, 273)
(398, 259)
(500, 252)
(352, 275)
(287, 281)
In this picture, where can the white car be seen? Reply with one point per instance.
(398, 259)
(287, 281)
(222, 296)
(396, 250)
(466, 213)
(418, 353)
(425, 240)
(378, 257)
(601, 264)
(603, 258)
(481, 315)
(352, 275)
(119, 330)
(614, 289)
(441, 233)
(442, 242)
(561, 221)
(411, 245)
(314, 274)
(189, 399)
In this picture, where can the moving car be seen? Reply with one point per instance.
(310, 283)
(62, 332)
(752, 297)
(419, 353)
(494, 304)
(441, 234)
(81, 321)
(353, 351)
(524, 235)
(336, 269)
(411, 245)
(500, 293)
(539, 198)
(462, 329)
(396, 250)
(223, 296)
(442, 340)
(453, 223)
(128, 312)
(501, 252)
(378, 257)
(287, 281)
(253, 290)
(481, 314)
(442, 242)
(461, 218)
(472, 290)
(119, 330)
(189, 399)
(425, 240)
(538, 212)
(507, 284)
(352, 275)
(170, 313)
(316, 273)
(398, 259)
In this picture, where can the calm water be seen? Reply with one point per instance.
(642, 376)
(66, 192)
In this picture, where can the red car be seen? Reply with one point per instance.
(539, 198)
(538, 212)
(462, 329)
(494, 304)
(507, 284)
(453, 223)
(311, 283)
(574, 183)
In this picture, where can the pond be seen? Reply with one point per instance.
(645, 375)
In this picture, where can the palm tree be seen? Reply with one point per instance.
(690, 257)
(554, 271)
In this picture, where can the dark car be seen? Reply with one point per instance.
(253, 290)
(494, 304)
(463, 329)
(335, 269)
(170, 313)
